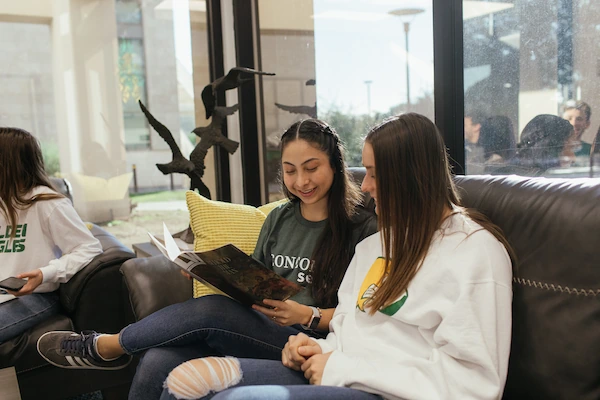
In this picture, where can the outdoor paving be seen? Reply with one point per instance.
(162, 206)
(149, 217)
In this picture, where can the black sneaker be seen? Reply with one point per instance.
(66, 349)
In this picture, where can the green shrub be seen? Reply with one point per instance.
(51, 157)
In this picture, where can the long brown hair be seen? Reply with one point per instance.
(414, 189)
(21, 170)
(332, 254)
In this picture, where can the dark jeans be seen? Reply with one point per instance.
(22, 313)
(208, 325)
(270, 380)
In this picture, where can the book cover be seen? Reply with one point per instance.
(231, 271)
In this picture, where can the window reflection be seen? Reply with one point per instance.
(26, 86)
(347, 61)
(76, 73)
(132, 81)
(524, 59)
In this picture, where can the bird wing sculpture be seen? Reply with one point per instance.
(232, 80)
(308, 110)
(221, 113)
(212, 134)
(197, 158)
(179, 163)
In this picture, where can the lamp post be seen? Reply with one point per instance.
(407, 14)
(368, 83)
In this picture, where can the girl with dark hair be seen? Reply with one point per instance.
(42, 239)
(424, 309)
(544, 139)
(303, 147)
(317, 230)
(544, 144)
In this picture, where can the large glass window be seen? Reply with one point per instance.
(132, 73)
(26, 85)
(132, 81)
(75, 72)
(349, 63)
(527, 68)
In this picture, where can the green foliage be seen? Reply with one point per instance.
(51, 157)
(352, 129)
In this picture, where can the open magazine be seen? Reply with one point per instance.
(231, 271)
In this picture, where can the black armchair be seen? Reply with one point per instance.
(93, 299)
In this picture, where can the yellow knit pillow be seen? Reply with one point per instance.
(216, 223)
(267, 208)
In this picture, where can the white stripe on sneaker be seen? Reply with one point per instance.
(86, 361)
(71, 361)
(79, 361)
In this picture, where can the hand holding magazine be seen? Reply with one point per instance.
(231, 271)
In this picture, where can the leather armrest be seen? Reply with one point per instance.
(154, 283)
(63, 187)
(114, 253)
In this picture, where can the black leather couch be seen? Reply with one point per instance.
(553, 226)
(94, 298)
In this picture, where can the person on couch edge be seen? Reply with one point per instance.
(322, 222)
(42, 239)
(424, 310)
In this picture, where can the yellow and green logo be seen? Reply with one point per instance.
(370, 285)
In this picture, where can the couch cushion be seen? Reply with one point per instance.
(216, 223)
(554, 228)
(154, 283)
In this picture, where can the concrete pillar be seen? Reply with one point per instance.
(88, 107)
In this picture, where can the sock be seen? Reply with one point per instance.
(98, 353)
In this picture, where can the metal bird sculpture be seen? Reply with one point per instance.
(211, 134)
(232, 80)
(194, 168)
(308, 110)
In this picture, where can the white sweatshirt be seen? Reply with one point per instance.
(447, 337)
(50, 236)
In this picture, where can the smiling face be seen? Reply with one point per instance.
(578, 120)
(368, 184)
(308, 175)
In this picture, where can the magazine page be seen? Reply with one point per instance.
(231, 271)
(240, 276)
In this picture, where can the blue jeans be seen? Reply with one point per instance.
(22, 313)
(208, 325)
(270, 380)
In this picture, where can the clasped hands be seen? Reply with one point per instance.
(301, 353)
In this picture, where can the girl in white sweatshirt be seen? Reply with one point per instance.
(425, 306)
(42, 239)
